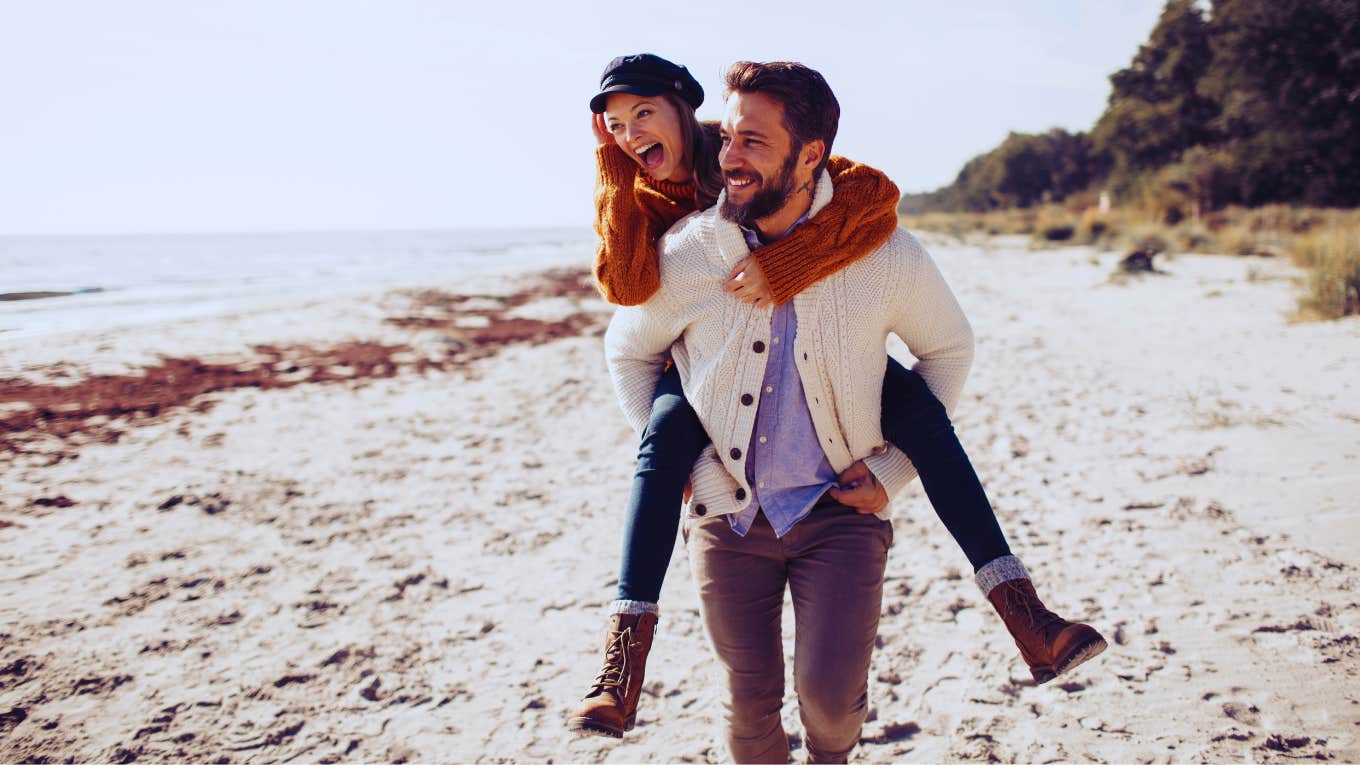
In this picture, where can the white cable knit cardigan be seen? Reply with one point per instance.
(719, 347)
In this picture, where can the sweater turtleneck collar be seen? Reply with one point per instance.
(673, 189)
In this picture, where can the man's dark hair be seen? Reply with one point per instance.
(811, 111)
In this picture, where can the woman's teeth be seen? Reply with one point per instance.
(652, 155)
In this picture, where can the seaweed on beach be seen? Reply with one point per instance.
(54, 419)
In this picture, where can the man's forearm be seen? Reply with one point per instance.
(636, 346)
(635, 384)
(932, 324)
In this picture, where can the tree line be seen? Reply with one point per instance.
(1244, 102)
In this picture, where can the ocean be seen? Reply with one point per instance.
(53, 284)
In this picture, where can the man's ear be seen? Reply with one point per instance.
(813, 151)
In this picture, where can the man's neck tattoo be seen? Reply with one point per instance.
(806, 187)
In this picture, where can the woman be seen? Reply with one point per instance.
(657, 163)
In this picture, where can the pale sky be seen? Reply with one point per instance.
(280, 115)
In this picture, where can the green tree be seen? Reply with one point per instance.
(1287, 76)
(1026, 169)
(1155, 110)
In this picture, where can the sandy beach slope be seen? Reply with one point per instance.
(385, 530)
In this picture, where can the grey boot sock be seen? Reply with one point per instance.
(1000, 570)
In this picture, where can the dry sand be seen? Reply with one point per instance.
(406, 556)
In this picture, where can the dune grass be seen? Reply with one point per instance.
(1324, 242)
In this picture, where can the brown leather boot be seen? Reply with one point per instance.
(1049, 644)
(610, 708)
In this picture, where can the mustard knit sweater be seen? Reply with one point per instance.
(632, 211)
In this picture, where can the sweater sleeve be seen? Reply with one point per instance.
(925, 314)
(635, 348)
(930, 321)
(626, 268)
(860, 217)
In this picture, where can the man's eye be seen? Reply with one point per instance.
(726, 139)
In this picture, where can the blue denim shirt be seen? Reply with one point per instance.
(786, 467)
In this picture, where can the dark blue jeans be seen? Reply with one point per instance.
(913, 420)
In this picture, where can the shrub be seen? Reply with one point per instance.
(1333, 256)
(1053, 223)
(1058, 232)
(1192, 237)
(1239, 240)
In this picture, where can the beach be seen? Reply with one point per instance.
(384, 525)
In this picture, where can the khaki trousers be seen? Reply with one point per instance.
(832, 562)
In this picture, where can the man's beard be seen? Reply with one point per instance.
(768, 199)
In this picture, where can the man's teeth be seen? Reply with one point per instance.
(739, 182)
(646, 148)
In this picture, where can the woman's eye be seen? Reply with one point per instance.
(616, 127)
(644, 113)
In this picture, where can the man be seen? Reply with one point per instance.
(794, 490)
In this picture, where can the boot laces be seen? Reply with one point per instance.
(1039, 618)
(614, 674)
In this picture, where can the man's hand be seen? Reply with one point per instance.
(601, 130)
(860, 489)
(747, 284)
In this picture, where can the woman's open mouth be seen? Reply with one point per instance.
(652, 155)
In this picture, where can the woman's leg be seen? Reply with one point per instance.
(670, 445)
(916, 422)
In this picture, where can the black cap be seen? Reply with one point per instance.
(644, 74)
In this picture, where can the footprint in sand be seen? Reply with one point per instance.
(1243, 713)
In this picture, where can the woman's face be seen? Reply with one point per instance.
(647, 128)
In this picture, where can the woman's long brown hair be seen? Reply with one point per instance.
(702, 141)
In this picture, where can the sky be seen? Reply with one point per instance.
(287, 115)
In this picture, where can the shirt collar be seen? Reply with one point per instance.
(752, 236)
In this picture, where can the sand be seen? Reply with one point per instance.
(385, 528)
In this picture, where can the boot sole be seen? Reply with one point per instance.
(597, 728)
(593, 727)
(1082, 654)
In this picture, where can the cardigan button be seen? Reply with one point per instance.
(759, 347)
(700, 510)
(741, 494)
(736, 453)
(747, 399)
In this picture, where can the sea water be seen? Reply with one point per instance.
(110, 281)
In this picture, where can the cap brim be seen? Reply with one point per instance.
(597, 103)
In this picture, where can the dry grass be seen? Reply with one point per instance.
(967, 225)
(1324, 242)
(1332, 257)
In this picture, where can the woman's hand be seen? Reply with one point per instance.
(747, 284)
(602, 135)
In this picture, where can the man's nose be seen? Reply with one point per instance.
(728, 157)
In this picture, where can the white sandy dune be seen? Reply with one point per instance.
(415, 568)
